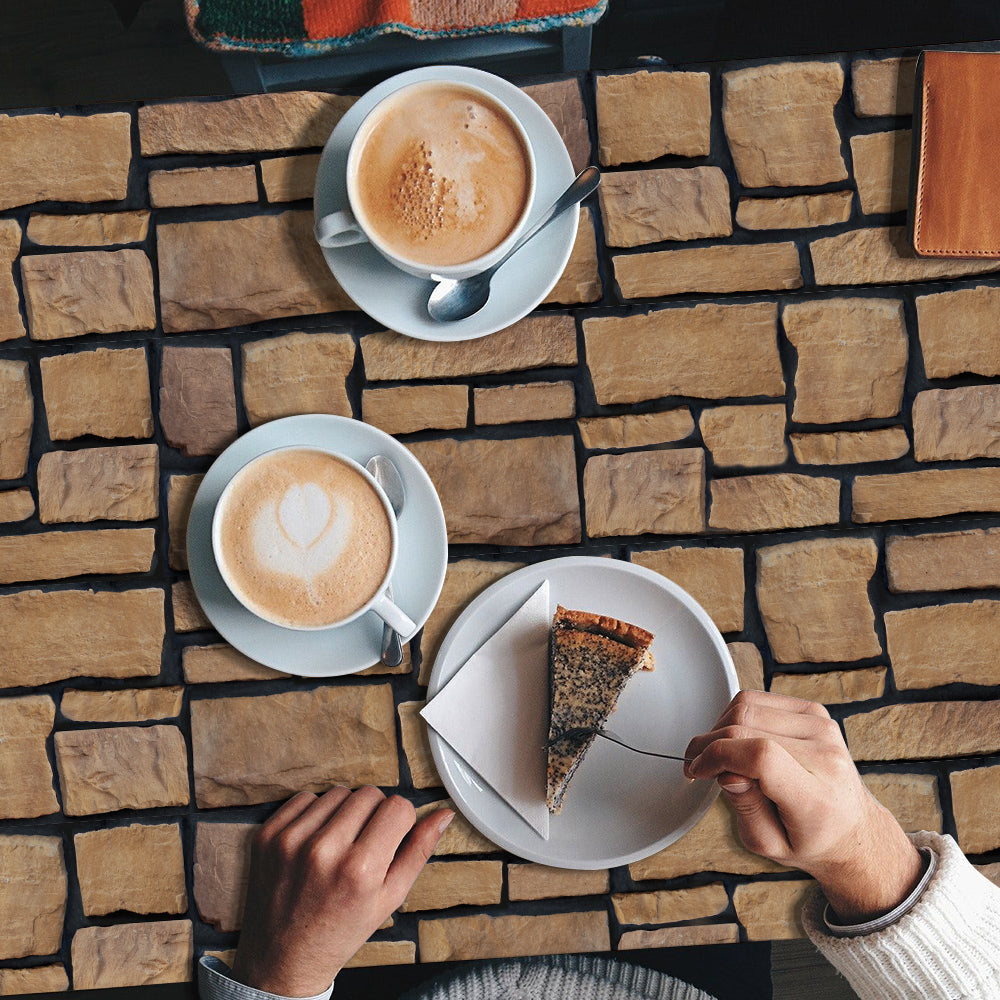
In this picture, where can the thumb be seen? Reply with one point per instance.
(759, 825)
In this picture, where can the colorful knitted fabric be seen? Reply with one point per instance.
(308, 27)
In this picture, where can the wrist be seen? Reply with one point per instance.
(273, 978)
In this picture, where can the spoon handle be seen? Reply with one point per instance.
(584, 731)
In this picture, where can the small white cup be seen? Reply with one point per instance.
(390, 613)
(349, 226)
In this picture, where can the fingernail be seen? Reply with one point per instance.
(736, 787)
(444, 821)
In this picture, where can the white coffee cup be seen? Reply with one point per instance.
(389, 612)
(350, 225)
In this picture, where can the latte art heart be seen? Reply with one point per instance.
(304, 514)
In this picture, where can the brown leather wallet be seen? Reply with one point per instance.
(955, 175)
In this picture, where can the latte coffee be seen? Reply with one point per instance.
(303, 538)
(441, 175)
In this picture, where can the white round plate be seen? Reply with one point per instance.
(399, 300)
(620, 806)
(420, 567)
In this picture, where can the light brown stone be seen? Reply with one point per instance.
(749, 665)
(188, 614)
(680, 937)
(636, 430)
(202, 186)
(289, 178)
(530, 881)
(139, 868)
(669, 907)
(949, 560)
(129, 705)
(221, 872)
(813, 599)
(647, 206)
(957, 423)
(780, 126)
(92, 291)
(297, 373)
(95, 484)
(33, 894)
(850, 447)
(832, 687)
(442, 884)
(16, 418)
(460, 837)
(511, 404)
(911, 798)
(992, 872)
(79, 633)
(374, 953)
(181, 492)
(25, 773)
(709, 351)
(482, 936)
(960, 331)
(197, 399)
(719, 269)
(747, 436)
(160, 951)
(770, 503)
(407, 408)
(928, 493)
(945, 644)
(883, 86)
(11, 325)
(221, 662)
(208, 279)
(562, 101)
(242, 754)
(974, 796)
(712, 845)
(16, 505)
(64, 158)
(53, 555)
(254, 124)
(882, 256)
(416, 746)
(924, 730)
(852, 357)
(128, 767)
(882, 170)
(642, 116)
(662, 492)
(799, 211)
(581, 279)
(540, 341)
(713, 577)
(769, 911)
(535, 502)
(37, 979)
(102, 392)
(95, 230)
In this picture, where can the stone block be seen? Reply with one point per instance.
(535, 502)
(974, 796)
(813, 598)
(672, 906)
(297, 373)
(221, 872)
(531, 881)
(832, 687)
(745, 436)
(708, 351)
(769, 911)
(924, 730)
(749, 665)
(375, 953)
(511, 404)
(642, 116)
(25, 773)
(850, 447)
(16, 505)
(960, 331)
(957, 423)
(948, 560)
(882, 170)
(289, 178)
(581, 279)
(562, 101)
(98, 229)
(55, 555)
(197, 399)
(188, 614)
(416, 746)
(647, 206)
(127, 767)
(139, 868)
(662, 492)
(128, 705)
(33, 893)
(11, 324)
(97, 484)
(713, 577)
(780, 126)
(79, 633)
(37, 979)
(680, 937)
(923, 494)
(242, 754)
(774, 502)
(442, 884)
(852, 356)
(221, 662)
(461, 837)
(635, 430)
(17, 414)
(202, 186)
(799, 211)
(160, 951)
(912, 798)
(883, 86)
(181, 492)
(406, 408)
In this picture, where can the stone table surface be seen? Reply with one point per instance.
(744, 381)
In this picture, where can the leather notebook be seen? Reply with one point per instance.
(955, 173)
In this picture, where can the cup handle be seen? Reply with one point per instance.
(394, 617)
(339, 229)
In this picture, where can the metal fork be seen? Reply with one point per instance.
(582, 732)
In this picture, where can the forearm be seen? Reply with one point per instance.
(216, 982)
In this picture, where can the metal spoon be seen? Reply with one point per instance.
(455, 299)
(579, 733)
(387, 476)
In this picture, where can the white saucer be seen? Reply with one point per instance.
(398, 300)
(420, 567)
(621, 806)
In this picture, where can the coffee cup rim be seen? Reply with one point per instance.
(227, 578)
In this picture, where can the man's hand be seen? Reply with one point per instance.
(324, 873)
(800, 801)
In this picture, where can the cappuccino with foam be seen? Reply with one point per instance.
(302, 538)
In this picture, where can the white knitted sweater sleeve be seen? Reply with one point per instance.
(947, 947)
